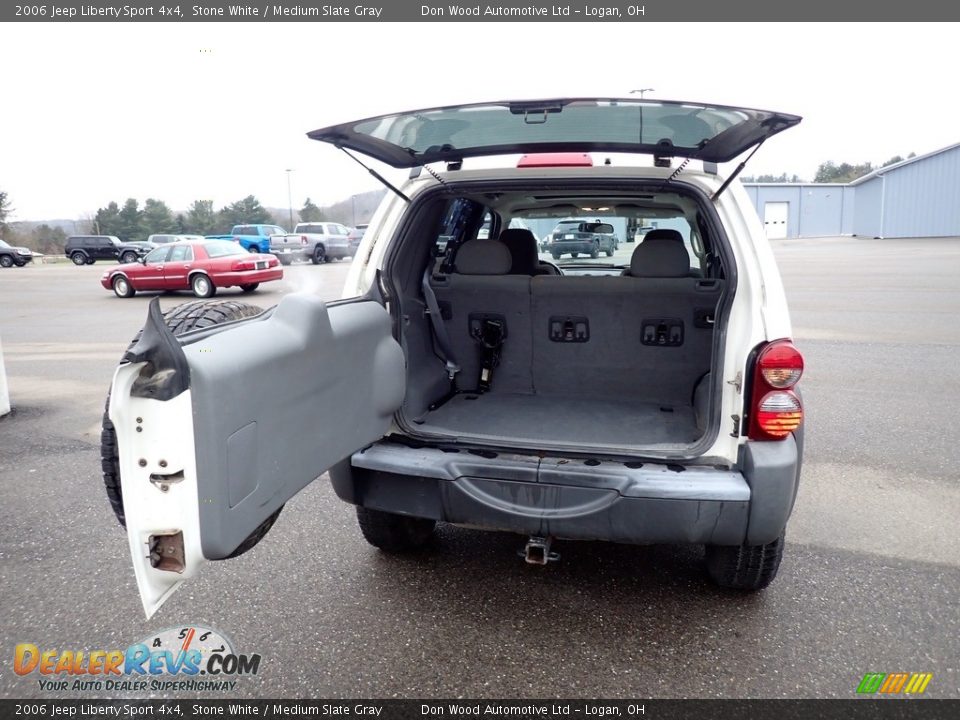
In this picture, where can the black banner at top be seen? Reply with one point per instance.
(502, 11)
(865, 709)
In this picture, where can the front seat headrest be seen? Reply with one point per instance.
(523, 249)
(661, 257)
(483, 257)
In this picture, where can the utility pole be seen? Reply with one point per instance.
(290, 199)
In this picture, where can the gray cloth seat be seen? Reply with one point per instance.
(523, 250)
(662, 254)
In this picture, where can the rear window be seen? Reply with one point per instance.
(223, 248)
(311, 229)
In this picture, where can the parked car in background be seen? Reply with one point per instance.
(11, 255)
(315, 241)
(200, 266)
(252, 238)
(578, 237)
(355, 236)
(87, 249)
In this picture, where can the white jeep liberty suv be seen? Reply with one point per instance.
(645, 398)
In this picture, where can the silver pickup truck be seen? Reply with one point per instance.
(315, 241)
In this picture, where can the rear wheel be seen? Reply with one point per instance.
(6, 261)
(79, 258)
(250, 288)
(181, 319)
(394, 533)
(744, 567)
(122, 287)
(574, 255)
(202, 286)
(319, 255)
(128, 257)
(556, 255)
(595, 250)
(253, 250)
(609, 253)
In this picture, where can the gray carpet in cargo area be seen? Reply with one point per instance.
(568, 420)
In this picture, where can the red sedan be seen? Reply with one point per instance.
(200, 266)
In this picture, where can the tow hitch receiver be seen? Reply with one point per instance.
(537, 551)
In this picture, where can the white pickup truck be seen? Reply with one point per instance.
(315, 241)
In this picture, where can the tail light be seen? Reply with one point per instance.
(775, 410)
(245, 265)
(303, 239)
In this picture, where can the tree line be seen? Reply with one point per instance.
(131, 221)
(829, 172)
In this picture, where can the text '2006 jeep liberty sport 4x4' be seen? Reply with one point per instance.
(646, 398)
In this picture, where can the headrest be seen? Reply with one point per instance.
(483, 257)
(523, 249)
(663, 234)
(660, 256)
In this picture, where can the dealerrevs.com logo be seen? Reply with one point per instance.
(190, 658)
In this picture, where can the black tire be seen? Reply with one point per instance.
(253, 250)
(189, 316)
(129, 257)
(122, 287)
(395, 534)
(744, 567)
(595, 250)
(79, 258)
(574, 255)
(556, 256)
(202, 286)
(284, 259)
(319, 255)
(90, 261)
(6, 261)
(609, 253)
(249, 288)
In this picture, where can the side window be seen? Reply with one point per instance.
(245, 230)
(461, 215)
(181, 253)
(341, 230)
(157, 256)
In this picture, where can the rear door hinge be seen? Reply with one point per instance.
(737, 381)
(736, 426)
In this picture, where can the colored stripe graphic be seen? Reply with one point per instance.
(894, 683)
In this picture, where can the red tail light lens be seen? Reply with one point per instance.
(775, 410)
(303, 239)
(245, 265)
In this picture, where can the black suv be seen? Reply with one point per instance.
(10, 255)
(87, 249)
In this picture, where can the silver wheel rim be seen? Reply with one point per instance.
(120, 285)
(201, 285)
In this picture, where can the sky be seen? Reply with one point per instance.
(97, 112)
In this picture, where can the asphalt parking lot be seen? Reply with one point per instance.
(869, 583)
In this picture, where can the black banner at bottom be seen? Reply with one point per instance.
(859, 709)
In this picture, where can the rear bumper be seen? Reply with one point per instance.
(294, 253)
(567, 246)
(567, 498)
(247, 277)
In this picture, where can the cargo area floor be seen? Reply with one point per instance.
(554, 419)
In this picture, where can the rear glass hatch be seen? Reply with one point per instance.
(712, 133)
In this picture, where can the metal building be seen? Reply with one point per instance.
(919, 197)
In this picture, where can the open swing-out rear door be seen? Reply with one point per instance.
(218, 428)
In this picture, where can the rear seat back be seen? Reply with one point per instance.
(481, 287)
(615, 313)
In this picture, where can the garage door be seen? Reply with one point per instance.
(775, 219)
